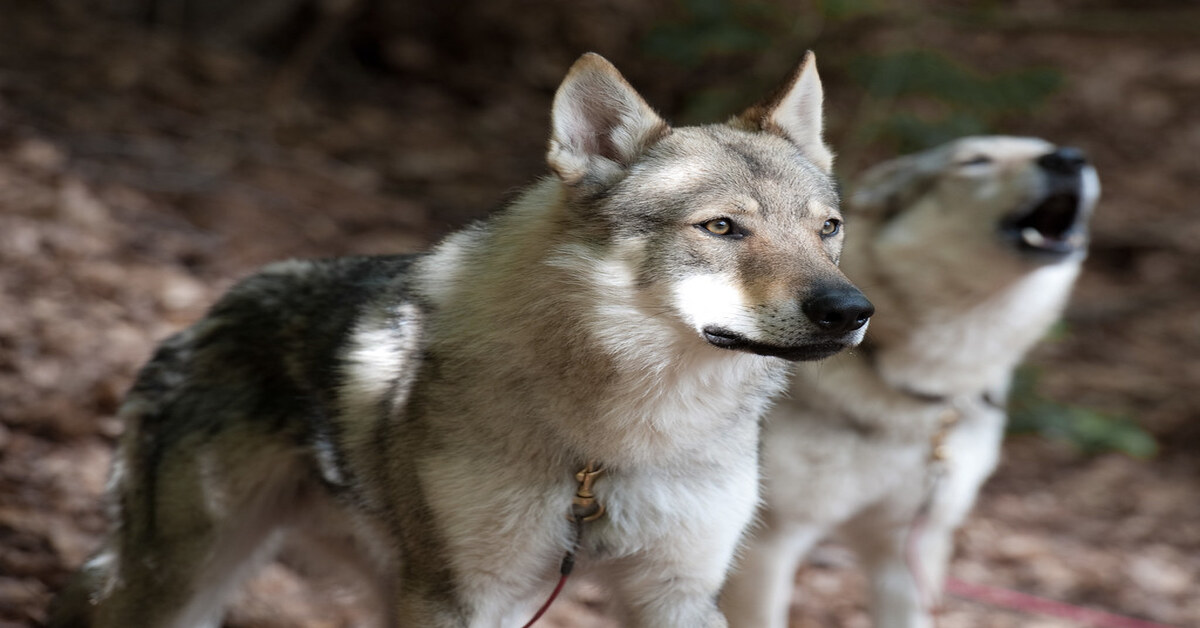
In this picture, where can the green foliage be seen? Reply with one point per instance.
(1089, 430)
(848, 9)
(713, 103)
(712, 31)
(709, 28)
(925, 72)
(963, 100)
(912, 133)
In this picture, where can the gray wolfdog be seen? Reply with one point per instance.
(452, 423)
(970, 251)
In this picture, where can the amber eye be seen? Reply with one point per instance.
(720, 226)
(831, 227)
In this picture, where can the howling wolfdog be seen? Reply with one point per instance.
(578, 378)
(970, 250)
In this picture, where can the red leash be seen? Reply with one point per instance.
(568, 563)
(993, 596)
(546, 606)
(996, 596)
(584, 508)
(1034, 605)
(1010, 599)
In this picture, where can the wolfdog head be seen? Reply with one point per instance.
(729, 233)
(950, 228)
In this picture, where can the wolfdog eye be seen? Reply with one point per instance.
(719, 226)
(831, 227)
(975, 160)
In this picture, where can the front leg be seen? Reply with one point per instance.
(759, 591)
(490, 550)
(906, 573)
(670, 600)
(908, 563)
(675, 579)
(480, 600)
(907, 560)
(665, 587)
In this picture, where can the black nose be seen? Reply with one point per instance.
(1065, 160)
(838, 309)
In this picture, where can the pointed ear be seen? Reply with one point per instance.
(795, 112)
(886, 189)
(599, 123)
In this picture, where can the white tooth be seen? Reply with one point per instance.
(1033, 237)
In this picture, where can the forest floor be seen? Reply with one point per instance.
(141, 175)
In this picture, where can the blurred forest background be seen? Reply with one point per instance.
(152, 151)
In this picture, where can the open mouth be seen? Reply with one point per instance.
(1056, 225)
(726, 339)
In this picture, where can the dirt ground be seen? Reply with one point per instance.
(141, 173)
